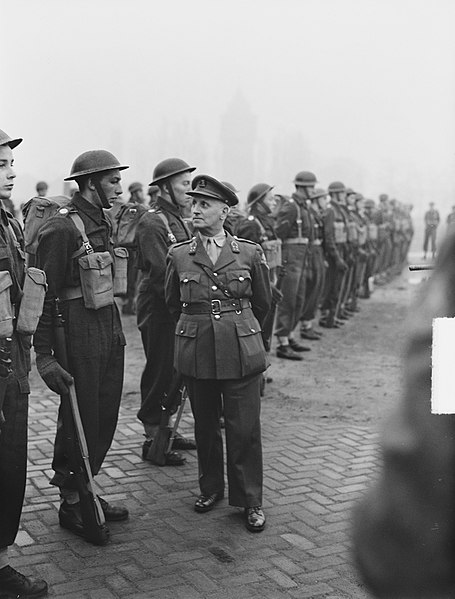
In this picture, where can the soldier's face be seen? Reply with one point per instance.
(208, 215)
(110, 184)
(7, 174)
(181, 185)
(270, 201)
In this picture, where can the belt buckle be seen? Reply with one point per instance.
(216, 306)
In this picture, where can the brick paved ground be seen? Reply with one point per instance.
(315, 468)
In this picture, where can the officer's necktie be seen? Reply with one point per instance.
(211, 250)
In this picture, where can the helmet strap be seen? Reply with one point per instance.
(101, 194)
(171, 193)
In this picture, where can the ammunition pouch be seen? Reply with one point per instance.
(6, 307)
(120, 271)
(31, 307)
(95, 271)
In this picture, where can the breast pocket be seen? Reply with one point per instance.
(251, 347)
(239, 283)
(185, 347)
(189, 284)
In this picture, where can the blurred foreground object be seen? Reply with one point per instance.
(404, 528)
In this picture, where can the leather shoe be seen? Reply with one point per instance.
(309, 334)
(296, 346)
(183, 443)
(70, 517)
(13, 584)
(205, 503)
(113, 513)
(285, 351)
(255, 519)
(173, 458)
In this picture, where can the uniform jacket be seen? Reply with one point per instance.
(153, 243)
(432, 218)
(286, 220)
(229, 346)
(58, 240)
(259, 226)
(331, 216)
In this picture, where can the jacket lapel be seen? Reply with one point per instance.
(201, 256)
(226, 256)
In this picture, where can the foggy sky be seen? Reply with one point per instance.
(248, 91)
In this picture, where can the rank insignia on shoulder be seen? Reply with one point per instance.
(193, 246)
(235, 246)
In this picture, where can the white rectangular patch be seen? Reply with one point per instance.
(443, 366)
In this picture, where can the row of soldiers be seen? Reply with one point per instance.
(325, 249)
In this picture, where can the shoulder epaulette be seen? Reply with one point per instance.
(180, 243)
(242, 240)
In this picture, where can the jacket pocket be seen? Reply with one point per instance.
(189, 282)
(6, 308)
(239, 283)
(185, 347)
(252, 353)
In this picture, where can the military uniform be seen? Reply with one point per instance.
(432, 220)
(154, 237)
(95, 340)
(219, 350)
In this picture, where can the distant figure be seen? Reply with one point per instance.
(153, 193)
(432, 220)
(41, 189)
(451, 219)
(137, 193)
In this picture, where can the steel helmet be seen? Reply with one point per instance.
(318, 193)
(168, 168)
(349, 191)
(258, 193)
(369, 203)
(5, 140)
(383, 197)
(305, 179)
(94, 161)
(336, 187)
(136, 186)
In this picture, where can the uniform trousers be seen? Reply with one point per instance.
(95, 344)
(430, 238)
(242, 404)
(13, 462)
(157, 333)
(290, 308)
(315, 283)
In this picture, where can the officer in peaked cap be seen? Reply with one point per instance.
(218, 289)
(94, 331)
(14, 407)
(160, 227)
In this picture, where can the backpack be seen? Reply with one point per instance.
(124, 224)
(35, 213)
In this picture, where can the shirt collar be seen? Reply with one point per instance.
(219, 239)
(94, 212)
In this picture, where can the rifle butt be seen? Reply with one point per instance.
(158, 449)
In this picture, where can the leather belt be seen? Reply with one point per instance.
(296, 241)
(70, 293)
(216, 306)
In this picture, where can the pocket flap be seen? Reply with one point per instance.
(95, 261)
(121, 252)
(186, 277)
(238, 275)
(37, 275)
(247, 327)
(186, 329)
(5, 280)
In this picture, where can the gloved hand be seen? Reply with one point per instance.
(55, 377)
(277, 296)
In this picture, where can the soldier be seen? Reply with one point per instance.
(317, 266)
(218, 288)
(41, 189)
(451, 219)
(153, 192)
(432, 220)
(94, 334)
(157, 230)
(14, 403)
(294, 228)
(335, 245)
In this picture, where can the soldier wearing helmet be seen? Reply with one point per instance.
(14, 404)
(41, 189)
(161, 227)
(432, 220)
(335, 244)
(93, 331)
(294, 226)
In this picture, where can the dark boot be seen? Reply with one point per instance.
(13, 584)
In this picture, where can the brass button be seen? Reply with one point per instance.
(241, 278)
(215, 274)
(217, 316)
(214, 287)
(181, 332)
(253, 330)
(185, 280)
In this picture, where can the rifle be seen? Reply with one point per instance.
(92, 514)
(341, 293)
(5, 372)
(269, 320)
(163, 439)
